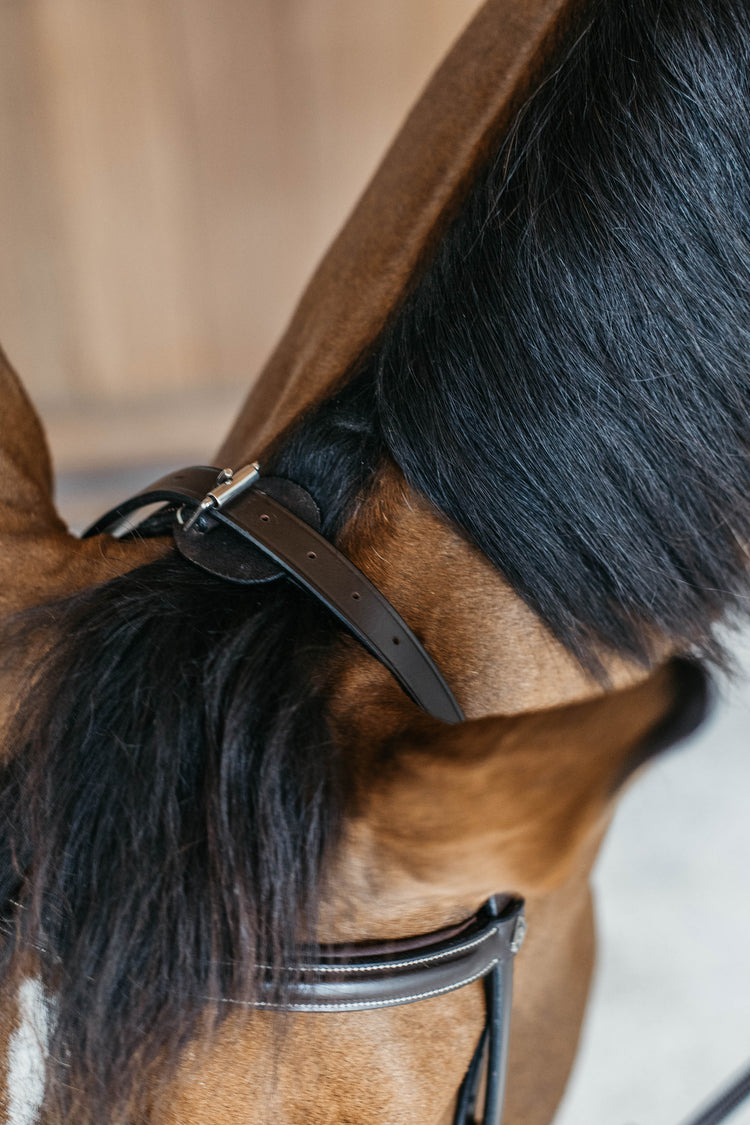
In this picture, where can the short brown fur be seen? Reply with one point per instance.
(517, 799)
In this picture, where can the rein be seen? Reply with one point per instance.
(725, 1102)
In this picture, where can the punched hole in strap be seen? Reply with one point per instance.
(215, 528)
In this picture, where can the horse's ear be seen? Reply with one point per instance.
(513, 802)
(39, 559)
(465, 109)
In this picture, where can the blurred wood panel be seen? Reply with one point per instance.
(171, 171)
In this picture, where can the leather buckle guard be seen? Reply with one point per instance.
(234, 512)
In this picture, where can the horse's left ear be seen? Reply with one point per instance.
(513, 802)
(39, 558)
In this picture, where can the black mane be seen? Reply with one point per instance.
(166, 818)
(571, 381)
(568, 381)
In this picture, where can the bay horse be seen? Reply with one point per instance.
(517, 392)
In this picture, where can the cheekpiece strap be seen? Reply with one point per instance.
(219, 518)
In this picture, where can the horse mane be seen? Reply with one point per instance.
(567, 381)
(170, 794)
(570, 380)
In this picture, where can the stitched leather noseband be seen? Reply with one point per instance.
(248, 529)
(363, 977)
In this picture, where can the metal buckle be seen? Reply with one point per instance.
(229, 485)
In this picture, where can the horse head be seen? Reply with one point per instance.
(516, 392)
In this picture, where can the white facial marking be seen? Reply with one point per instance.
(27, 1052)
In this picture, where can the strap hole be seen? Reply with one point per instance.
(265, 518)
(356, 597)
(396, 641)
(311, 555)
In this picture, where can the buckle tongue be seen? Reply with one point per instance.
(229, 485)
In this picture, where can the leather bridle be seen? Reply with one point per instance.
(229, 514)
(220, 520)
(248, 528)
(367, 976)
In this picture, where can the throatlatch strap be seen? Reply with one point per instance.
(258, 520)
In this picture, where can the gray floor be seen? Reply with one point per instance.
(670, 1014)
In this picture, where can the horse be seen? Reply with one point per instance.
(516, 392)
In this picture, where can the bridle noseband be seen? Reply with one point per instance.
(365, 976)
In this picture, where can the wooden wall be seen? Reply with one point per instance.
(170, 172)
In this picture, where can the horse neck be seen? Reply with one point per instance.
(498, 658)
(495, 652)
(442, 816)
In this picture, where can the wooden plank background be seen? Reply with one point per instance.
(171, 171)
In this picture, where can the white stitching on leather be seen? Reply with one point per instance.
(360, 1005)
(380, 966)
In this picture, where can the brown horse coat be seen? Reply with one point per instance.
(517, 798)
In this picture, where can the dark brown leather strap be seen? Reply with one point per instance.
(184, 486)
(342, 981)
(346, 978)
(257, 520)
